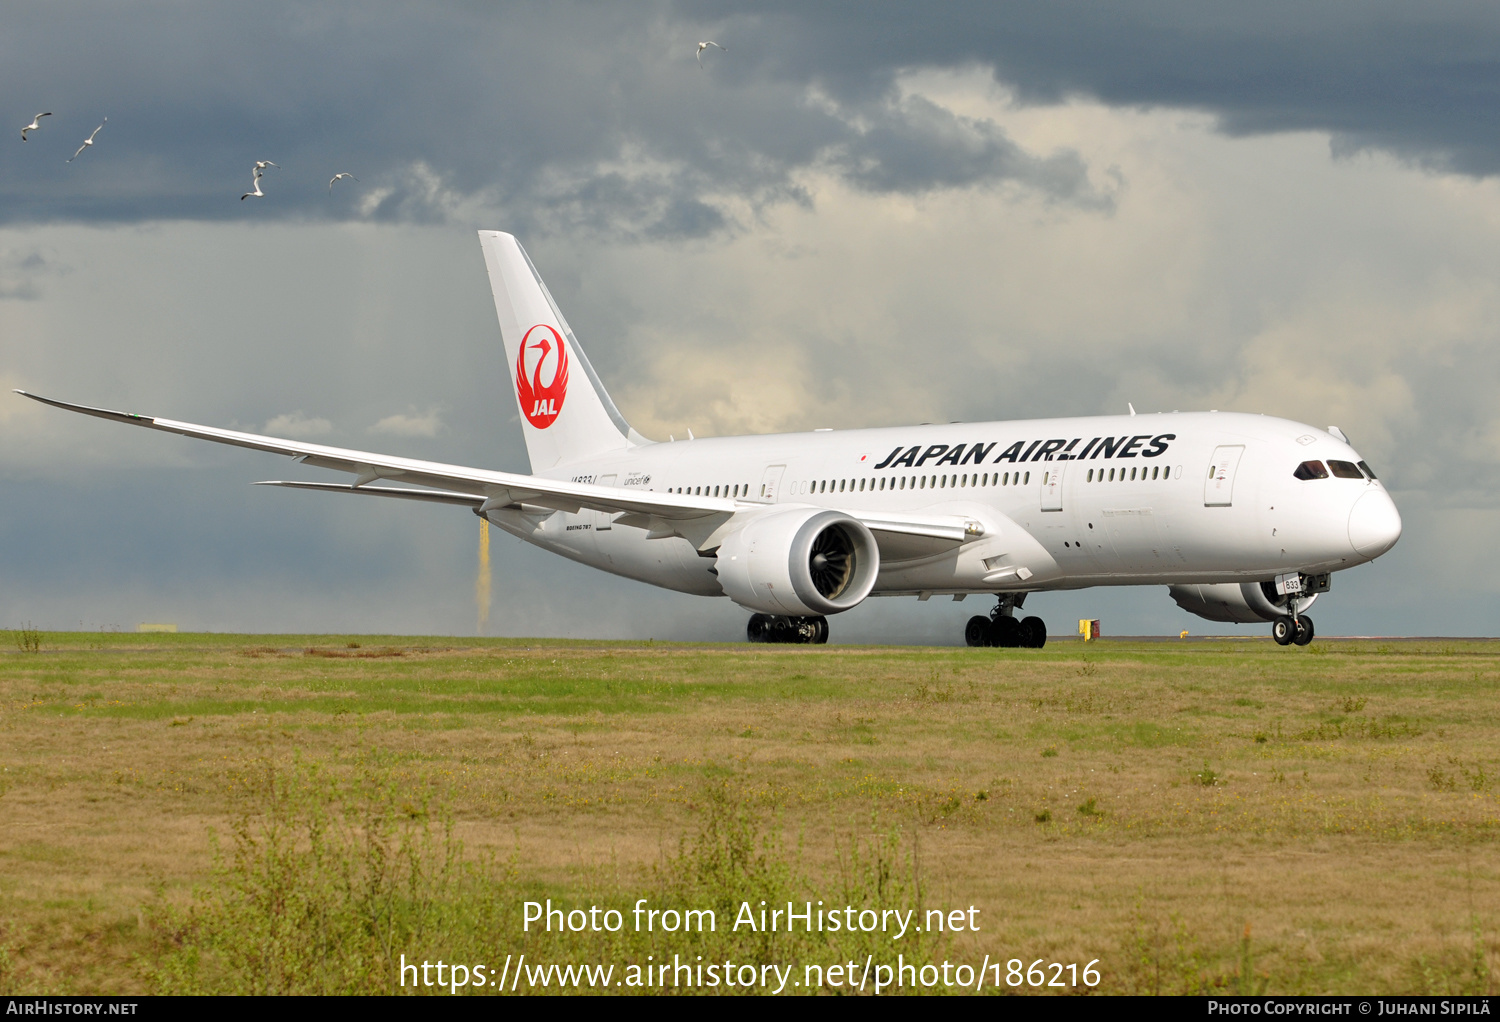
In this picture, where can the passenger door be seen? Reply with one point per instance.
(1052, 477)
(1218, 488)
(770, 484)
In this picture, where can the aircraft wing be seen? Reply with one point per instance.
(477, 488)
(451, 483)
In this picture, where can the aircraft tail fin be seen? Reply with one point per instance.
(566, 414)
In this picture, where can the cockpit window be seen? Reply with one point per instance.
(1367, 470)
(1311, 470)
(1345, 469)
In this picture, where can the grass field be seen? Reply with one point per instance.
(1197, 815)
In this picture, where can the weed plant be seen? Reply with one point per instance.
(324, 884)
(28, 639)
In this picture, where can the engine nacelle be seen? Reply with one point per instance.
(1239, 602)
(801, 561)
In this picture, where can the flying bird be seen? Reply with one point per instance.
(88, 141)
(339, 177)
(256, 173)
(255, 180)
(705, 45)
(36, 122)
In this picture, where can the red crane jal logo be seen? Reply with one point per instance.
(541, 403)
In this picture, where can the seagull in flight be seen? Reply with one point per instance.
(256, 173)
(339, 177)
(705, 45)
(255, 180)
(88, 141)
(36, 122)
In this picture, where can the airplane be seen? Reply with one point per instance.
(1244, 517)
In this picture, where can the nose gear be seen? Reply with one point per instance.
(1292, 627)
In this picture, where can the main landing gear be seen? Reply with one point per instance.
(779, 628)
(1002, 629)
(1290, 628)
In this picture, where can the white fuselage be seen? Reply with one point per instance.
(1204, 497)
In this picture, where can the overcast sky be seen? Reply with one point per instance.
(861, 214)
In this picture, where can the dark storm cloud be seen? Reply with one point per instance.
(556, 115)
(1419, 80)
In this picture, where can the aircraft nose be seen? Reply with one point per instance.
(1374, 524)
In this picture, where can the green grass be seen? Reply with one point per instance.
(203, 813)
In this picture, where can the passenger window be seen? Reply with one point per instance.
(1311, 470)
(1028, 478)
(1132, 475)
(1156, 472)
(1111, 475)
(1367, 469)
(1007, 479)
(1345, 469)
